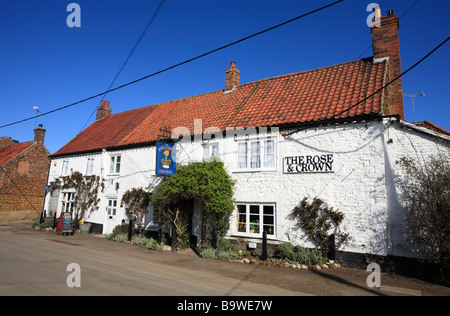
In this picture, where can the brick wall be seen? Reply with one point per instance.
(22, 181)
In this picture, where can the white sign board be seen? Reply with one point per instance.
(308, 163)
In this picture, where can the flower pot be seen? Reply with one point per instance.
(85, 228)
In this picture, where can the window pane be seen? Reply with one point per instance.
(255, 161)
(242, 218)
(215, 150)
(118, 164)
(205, 153)
(242, 155)
(111, 166)
(269, 153)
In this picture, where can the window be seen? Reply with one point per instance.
(210, 151)
(256, 154)
(65, 168)
(112, 208)
(90, 166)
(253, 219)
(114, 166)
(68, 199)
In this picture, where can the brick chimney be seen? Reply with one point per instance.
(232, 77)
(385, 43)
(39, 135)
(103, 111)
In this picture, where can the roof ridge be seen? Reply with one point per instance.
(307, 71)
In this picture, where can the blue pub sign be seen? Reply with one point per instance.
(165, 159)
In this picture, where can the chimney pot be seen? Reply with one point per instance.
(390, 12)
(103, 111)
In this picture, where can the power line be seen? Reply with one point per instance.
(129, 56)
(177, 65)
(403, 14)
(382, 88)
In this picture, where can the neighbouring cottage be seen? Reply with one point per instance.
(305, 134)
(23, 175)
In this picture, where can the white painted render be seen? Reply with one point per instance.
(364, 183)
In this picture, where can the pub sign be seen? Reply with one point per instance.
(165, 159)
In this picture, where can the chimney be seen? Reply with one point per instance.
(385, 43)
(103, 111)
(39, 135)
(232, 77)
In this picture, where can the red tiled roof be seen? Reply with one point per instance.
(433, 127)
(296, 98)
(9, 152)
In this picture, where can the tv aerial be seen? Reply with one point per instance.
(37, 112)
(412, 96)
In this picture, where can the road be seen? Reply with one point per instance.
(35, 263)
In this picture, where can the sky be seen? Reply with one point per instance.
(45, 63)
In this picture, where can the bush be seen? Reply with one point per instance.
(118, 237)
(211, 253)
(139, 240)
(122, 228)
(287, 251)
(224, 251)
(48, 222)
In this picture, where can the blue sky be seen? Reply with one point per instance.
(45, 63)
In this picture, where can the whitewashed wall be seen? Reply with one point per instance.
(363, 184)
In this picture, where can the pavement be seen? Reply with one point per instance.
(236, 278)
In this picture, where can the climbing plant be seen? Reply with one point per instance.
(320, 222)
(208, 182)
(86, 192)
(136, 202)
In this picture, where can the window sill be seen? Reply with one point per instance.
(252, 236)
(254, 170)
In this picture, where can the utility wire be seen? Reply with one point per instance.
(18, 189)
(128, 58)
(381, 89)
(403, 14)
(177, 65)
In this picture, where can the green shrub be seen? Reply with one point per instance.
(211, 253)
(139, 240)
(298, 254)
(48, 222)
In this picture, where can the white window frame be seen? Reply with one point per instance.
(111, 208)
(255, 154)
(115, 163)
(211, 151)
(90, 166)
(253, 218)
(67, 201)
(65, 168)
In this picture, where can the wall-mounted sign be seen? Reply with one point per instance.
(310, 163)
(165, 159)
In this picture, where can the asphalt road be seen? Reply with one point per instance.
(36, 263)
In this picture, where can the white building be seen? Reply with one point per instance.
(306, 135)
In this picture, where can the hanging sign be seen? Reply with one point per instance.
(308, 164)
(165, 159)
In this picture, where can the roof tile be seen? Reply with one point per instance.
(307, 96)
